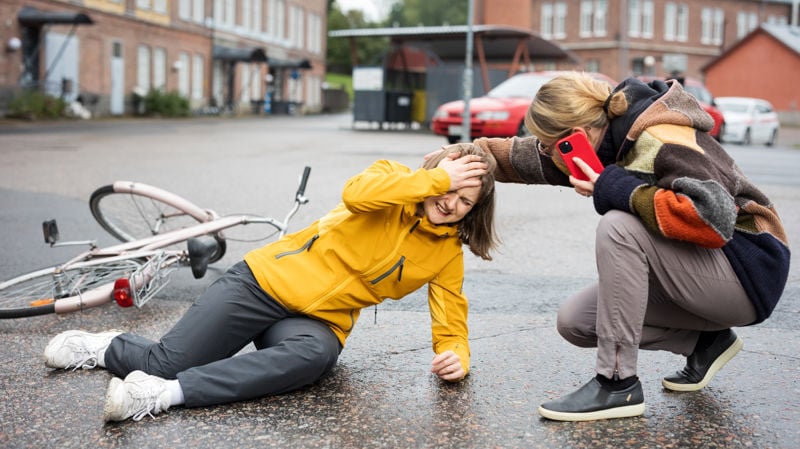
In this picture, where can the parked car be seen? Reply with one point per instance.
(704, 97)
(501, 112)
(749, 120)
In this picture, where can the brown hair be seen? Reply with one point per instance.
(572, 100)
(476, 229)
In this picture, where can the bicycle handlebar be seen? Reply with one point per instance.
(303, 181)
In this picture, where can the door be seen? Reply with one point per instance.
(61, 62)
(117, 102)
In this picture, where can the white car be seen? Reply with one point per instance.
(748, 120)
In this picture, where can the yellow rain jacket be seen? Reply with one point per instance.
(371, 247)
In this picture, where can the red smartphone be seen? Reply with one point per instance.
(578, 145)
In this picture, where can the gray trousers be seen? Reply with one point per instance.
(292, 350)
(653, 293)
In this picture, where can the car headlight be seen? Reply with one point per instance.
(492, 115)
(440, 114)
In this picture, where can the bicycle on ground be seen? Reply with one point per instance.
(160, 232)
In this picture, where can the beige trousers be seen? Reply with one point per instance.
(653, 293)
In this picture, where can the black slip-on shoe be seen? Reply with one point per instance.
(702, 366)
(591, 402)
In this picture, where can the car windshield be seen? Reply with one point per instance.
(520, 86)
(732, 107)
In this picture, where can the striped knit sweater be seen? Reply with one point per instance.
(662, 166)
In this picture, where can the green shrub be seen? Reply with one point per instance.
(32, 104)
(166, 104)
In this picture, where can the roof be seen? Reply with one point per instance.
(787, 35)
(448, 42)
(32, 17)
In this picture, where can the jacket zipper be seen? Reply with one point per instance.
(306, 246)
(396, 266)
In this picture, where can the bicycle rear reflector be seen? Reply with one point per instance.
(122, 292)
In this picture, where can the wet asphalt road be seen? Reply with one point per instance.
(381, 394)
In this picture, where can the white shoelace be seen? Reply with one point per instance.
(82, 357)
(145, 402)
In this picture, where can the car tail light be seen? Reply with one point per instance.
(122, 292)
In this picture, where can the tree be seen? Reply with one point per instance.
(406, 13)
(368, 51)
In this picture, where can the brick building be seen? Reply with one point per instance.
(633, 37)
(761, 65)
(216, 53)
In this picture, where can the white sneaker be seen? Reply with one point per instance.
(77, 349)
(137, 396)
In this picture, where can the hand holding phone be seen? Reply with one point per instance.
(578, 145)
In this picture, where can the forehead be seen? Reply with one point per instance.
(470, 193)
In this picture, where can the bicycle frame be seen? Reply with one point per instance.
(151, 253)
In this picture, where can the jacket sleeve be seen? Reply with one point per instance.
(688, 198)
(448, 307)
(519, 161)
(388, 183)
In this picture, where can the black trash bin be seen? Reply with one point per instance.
(398, 106)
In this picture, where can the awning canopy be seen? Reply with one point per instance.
(288, 63)
(448, 42)
(232, 54)
(32, 17)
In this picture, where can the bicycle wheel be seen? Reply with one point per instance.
(130, 211)
(36, 293)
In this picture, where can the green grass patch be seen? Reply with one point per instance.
(338, 80)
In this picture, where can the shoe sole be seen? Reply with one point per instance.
(721, 361)
(115, 389)
(628, 411)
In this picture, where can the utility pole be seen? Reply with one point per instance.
(466, 121)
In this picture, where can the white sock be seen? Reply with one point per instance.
(175, 393)
(101, 357)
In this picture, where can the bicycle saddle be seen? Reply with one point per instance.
(200, 251)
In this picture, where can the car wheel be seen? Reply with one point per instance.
(453, 139)
(721, 132)
(773, 138)
(746, 139)
(522, 131)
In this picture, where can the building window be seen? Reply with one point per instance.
(183, 74)
(683, 22)
(648, 12)
(640, 18)
(600, 14)
(745, 23)
(634, 18)
(713, 22)
(160, 69)
(275, 18)
(560, 23)
(197, 77)
(592, 65)
(546, 27)
(554, 20)
(143, 4)
(143, 68)
(670, 14)
(184, 9)
(160, 6)
(258, 7)
(296, 28)
(314, 34)
(199, 11)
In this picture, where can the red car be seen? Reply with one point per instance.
(501, 112)
(704, 97)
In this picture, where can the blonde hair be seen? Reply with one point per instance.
(572, 100)
(476, 229)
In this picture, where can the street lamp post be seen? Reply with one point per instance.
(466, 121)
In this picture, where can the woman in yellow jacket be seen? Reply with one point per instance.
(298, 299)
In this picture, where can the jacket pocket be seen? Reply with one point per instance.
(306, 246)
(398, 266)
